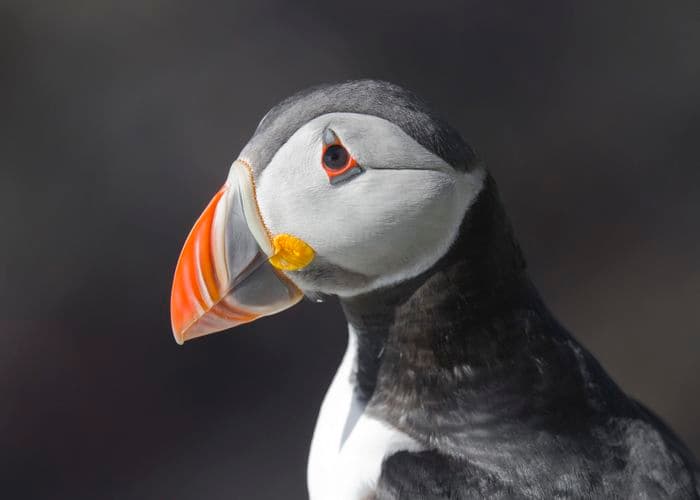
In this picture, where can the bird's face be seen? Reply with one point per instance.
(347, 203)
(375, 205)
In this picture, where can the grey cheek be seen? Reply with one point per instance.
(326, 277)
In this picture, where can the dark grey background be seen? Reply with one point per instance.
(120, 119)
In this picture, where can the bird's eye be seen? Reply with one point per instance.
(335, 157)
(337, 161)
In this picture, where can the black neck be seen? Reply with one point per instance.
(471, 330)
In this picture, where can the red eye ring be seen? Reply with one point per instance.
(338, 163)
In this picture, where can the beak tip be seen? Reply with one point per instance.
(178, 336)
(179, 333)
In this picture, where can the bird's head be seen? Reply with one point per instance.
(342, 189)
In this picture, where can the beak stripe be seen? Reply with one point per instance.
(219, 246)
(203, 248)
(184, 309)
(230, 311)
(190, 276)
(201, 280)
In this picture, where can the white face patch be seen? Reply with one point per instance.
(387, 224)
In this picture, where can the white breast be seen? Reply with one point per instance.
(349, 470)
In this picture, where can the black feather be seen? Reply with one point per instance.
(467, 359)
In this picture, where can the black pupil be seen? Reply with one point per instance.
(335, 157)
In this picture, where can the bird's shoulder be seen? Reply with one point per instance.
(642, 456)
(432, 475)
(626, 457)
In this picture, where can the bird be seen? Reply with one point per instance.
(458, 381)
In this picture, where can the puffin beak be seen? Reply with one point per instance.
(229, 271)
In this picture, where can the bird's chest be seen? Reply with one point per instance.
(348, 446)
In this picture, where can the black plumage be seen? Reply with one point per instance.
(467, 359)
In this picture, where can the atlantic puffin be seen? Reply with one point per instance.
(457, 381)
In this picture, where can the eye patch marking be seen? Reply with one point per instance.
(336, 160)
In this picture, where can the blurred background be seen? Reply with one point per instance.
(120, 120)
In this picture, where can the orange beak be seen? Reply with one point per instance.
(223, 277)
